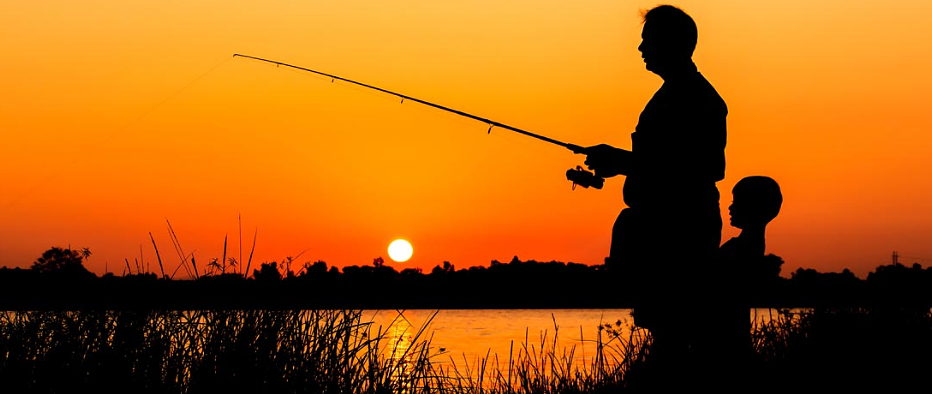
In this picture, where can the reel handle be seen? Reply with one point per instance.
(581, 177)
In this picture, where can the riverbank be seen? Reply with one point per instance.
(289, 351)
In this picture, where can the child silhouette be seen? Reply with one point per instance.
(756, 200)
(742, 272)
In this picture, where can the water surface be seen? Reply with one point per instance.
(465, 336)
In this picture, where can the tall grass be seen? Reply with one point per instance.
(546, 366)
(857, 349)
(274, 351)
(336, 351)
(269, 351)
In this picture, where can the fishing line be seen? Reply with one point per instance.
(491, 123)
(578, 175)
(54, 174)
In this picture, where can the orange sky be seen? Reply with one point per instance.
(117, 116)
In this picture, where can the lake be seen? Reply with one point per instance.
(466, 336)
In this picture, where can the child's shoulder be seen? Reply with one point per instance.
(740, 248)
(730, 246)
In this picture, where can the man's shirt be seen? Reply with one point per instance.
(679, 147)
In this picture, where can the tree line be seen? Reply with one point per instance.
(59, 280)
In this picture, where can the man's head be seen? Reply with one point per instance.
(668, 38)
(756, 200)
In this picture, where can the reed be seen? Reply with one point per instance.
(336, 351)
(274, 351)
(881, 348)
(546, 366)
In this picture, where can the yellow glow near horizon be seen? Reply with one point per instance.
(400, 250)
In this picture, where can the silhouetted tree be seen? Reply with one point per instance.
(317, 269)
(771, 265)
(62, 261)
(85, 253)
(447, 268)
(412, 272)
(267, 272)
(896, 283)
(810, 287)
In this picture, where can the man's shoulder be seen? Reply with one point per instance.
(698, 93)
(709, 92)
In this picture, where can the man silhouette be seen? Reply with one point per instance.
(663, 243)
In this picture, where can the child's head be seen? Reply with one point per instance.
(756, 200)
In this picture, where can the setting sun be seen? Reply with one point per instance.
(400, 250)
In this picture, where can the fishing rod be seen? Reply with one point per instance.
(578, 175)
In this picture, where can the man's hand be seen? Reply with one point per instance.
(607, 161)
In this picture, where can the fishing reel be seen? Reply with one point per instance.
(584, 178)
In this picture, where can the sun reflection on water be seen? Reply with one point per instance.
(461, 344)
(402, 346)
